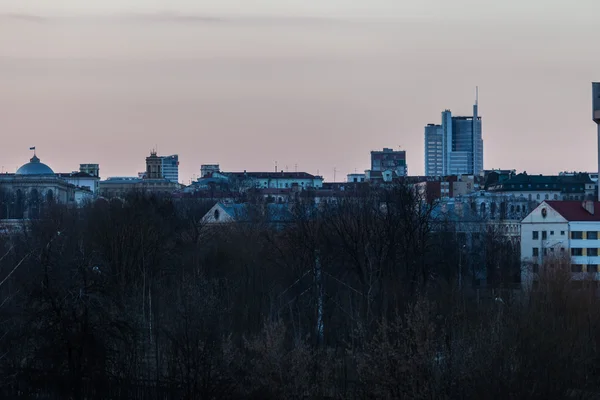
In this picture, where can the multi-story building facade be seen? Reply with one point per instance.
(170, 167)
(153, 166)
(91, 169)
(209, 169)
(161, 167)
(355, 178)
(389, 160)
(273, 180)
(455, 147)
(547, 187)
(434, 153)
(565, 229)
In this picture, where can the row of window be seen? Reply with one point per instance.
(589, 235)
(535, 235)
(591, 252)
(536, 251)
(574, 268)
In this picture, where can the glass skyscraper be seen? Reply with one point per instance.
(455, 147)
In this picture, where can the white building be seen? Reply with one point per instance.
(82, 180)
(561, 228)
(274, 180)
(352, 178)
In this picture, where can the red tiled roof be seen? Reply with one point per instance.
(574, 211)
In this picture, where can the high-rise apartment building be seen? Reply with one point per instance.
(455, 147)
(434, 159)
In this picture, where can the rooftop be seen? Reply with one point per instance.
(575, 210)
(35, 167)
(271, 175)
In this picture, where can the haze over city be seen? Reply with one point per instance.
(299, 82)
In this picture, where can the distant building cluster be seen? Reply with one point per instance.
(455, 147)
(541, 214)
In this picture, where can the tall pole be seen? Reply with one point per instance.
(596, 118)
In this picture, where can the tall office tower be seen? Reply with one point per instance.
(434, 150)
(170, 167)
(596, 117)
(461, 142)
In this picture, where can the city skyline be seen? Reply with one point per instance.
(319, 94)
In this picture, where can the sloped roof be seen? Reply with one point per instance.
(574, 211)
(273, 213)
(271, 175)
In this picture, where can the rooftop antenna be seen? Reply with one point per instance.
(296, 167)
(334, 172)
(287, 169)
(275, 166)
(476, 95)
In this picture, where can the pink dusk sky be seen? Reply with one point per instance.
(312, 83)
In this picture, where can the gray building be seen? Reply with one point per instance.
(455, 147)
(596, 117)
(389, 160)
(434, 159)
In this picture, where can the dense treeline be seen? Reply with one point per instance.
(139, 299)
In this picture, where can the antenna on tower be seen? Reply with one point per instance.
(334, 172)
(275, 166)
(476, 95)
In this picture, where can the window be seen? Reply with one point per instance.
(555, 197)
(576, 252)
(546, 196)
(562, 249)
(592, 268)
(576, 268)
(536, 252)
(535, 235)
(544, 235)
(562, 233)
(592, 252)
(592, 235)
(545, 251)
(536, 268)
(538, 196)
(551, 233)
(576, 235)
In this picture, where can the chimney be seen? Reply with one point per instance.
(589, 206)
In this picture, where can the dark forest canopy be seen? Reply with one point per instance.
(356, 299)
